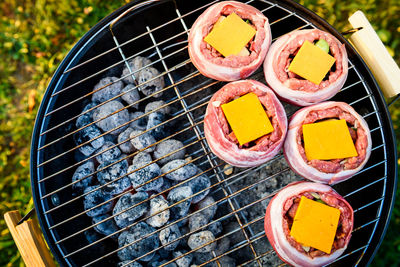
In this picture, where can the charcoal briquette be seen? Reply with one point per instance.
(135, 64)
(183, 261)
(167, 184)
(114, 121)
(89, 134)
(113, 89)
(196, 221)
(129, 216)
(139, 245)
(83, 170)
(141, 140)
(156, 105)
(215, 228)
(141, 159)
(138, 124)
(200, 239)
(124, 141)
(175, 195)
(107, 228)
(115, 172)
(168, 235)
(158, 206)
(140, 177)
(110, 154)
(181, 171)
(149, 82)
(155, 126)
(200, 185)
(169, 146)
(129, 264)
(86, 118)
(91, 237)
(208, 207)
(131, 95)
(159, 263)
(95, 198)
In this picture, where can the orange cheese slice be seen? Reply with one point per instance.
(311, 63)
(315, 224)
(247, 118)
(327, 140)
(230, 35)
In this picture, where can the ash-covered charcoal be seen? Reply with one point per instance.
(226, 261)
(140, 178)
(129, 264)
(183, 261)
(215, 228)
(200, 184)
(158, 130)
(84, 170)
(95, 198)
(165, 254)
(177, 194)
(141, 140)
(168, 235)
(223, 245)
(196, 221)
(109, 154)
(107, 227)
(181, 171)
(138, 124)
(110, 138)
(124, 141)
(141, 244)
(127, 201)
(166, 147)
(141, 159)
(135, 64)
(150, 81)
(114, 121)
(208, 207)
(131, 95)
(200, 239)
(86, 118)
(201, 258)
(117, 173)
(157, 104)
(159, 263)
(158, 206)
(113, 89)
(167, 184)
(88, 134)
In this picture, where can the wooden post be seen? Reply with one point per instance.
(28, 238)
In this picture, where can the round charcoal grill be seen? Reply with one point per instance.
(158, 30)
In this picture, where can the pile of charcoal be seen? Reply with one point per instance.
(131, 157)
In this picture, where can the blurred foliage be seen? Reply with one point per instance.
(35, 35)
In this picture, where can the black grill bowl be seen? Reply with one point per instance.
(370, 192)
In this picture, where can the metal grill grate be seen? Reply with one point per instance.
(188, 92)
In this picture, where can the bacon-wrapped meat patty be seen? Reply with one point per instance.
(221, 138)
(279, 219)
(210, 62)
(291, 87)
(327, 171)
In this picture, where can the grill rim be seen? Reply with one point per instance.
(378, 99)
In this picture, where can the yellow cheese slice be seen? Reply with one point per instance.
(230, 35)
(327, 140)
(315, 224)
(311, 63)
(247, 118)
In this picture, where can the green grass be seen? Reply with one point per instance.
(35, 35)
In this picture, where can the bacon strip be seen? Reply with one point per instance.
(323, 171)
(224, 144)
(277, 230)
(209, 62)
(294, 89)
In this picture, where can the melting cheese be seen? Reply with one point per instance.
(311, 63)
(247, 118)
(328, 140)
(230, 35)
(315, 224)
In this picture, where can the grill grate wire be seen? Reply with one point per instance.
(223, 183)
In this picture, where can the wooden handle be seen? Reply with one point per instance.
(375, 54)
(28, 238)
